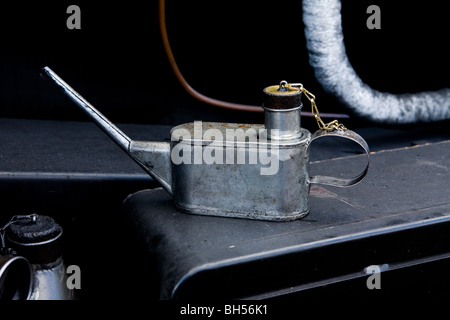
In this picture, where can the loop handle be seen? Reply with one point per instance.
(341, 182)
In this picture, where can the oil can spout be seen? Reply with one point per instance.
(153, 157)
(109, 128)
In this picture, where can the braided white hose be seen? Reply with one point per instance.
(325, 43)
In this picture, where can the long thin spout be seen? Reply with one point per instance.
(109, 128)
(153, 157)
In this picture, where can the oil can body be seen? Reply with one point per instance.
(233, 170)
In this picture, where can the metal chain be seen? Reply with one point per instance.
(331, 126)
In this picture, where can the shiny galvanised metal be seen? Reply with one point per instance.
(40, 242)
(283, 124)
(229, 169)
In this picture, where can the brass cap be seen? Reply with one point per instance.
(282, 96)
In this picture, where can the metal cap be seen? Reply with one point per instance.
(37, 240)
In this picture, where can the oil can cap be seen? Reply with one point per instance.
(282, 96)
(44, 229)
(38, 240)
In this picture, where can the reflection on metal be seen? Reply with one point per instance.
(50, 282)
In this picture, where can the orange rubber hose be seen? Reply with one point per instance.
(197, 95)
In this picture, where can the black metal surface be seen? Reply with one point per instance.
(49, 146)
(74, 173)
(399, 216)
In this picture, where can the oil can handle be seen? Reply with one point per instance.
(341, 182)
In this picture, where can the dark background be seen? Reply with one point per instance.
(227, 50)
